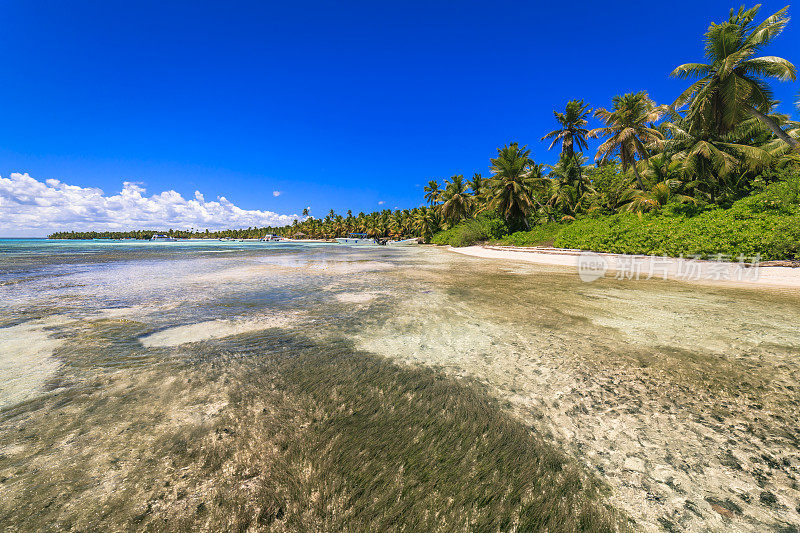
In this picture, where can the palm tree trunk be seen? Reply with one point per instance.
(638, 177)
(772, 125)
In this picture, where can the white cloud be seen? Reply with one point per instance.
(32, 207)
(276, 193)
(381, 202)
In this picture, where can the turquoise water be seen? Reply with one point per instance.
(52, 290)
(653, 385)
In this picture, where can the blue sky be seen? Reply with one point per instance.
(336, 105)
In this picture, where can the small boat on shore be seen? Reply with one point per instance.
(273, 238)
(403, 242)
(163, 238)
(360, 239)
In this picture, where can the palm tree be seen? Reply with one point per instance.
(396, 223)
(477, 184)
(432, 192)
(657, 197)
(570, 185)
(718, 164)
(511, 187)
(566, 199)
(731, 86)
(425, 223)
(630, 130)
(572, 172)
(457, 204)
(572, 133)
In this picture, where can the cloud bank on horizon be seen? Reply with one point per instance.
(29, 207)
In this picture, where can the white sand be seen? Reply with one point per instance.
(214, 329)
(26, 360)
(356, 297)
(591, 266)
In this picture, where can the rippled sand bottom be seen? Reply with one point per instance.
(154, 404)
(685, 400)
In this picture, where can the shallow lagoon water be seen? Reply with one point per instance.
(682, 399)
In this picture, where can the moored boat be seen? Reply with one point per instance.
(163, 238)
(269, 237)
(360, 239)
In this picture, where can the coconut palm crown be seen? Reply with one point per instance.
(732, 84)
(630, 130)
(572, 133)
(511, 187)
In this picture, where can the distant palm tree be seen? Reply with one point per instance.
(569, 187)
(425, 223)
(477, 184)
(305, 211)
(396, 223)
(456, 202)
(571, 171)
(572, 134)
(731, 87)
(432, 192)
(630, 129)
(511, 187)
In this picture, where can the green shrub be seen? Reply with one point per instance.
(468, 232)
(539, 235)
(765, 224)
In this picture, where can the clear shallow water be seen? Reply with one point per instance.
(671, 393)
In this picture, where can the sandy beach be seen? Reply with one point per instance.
(590, 266)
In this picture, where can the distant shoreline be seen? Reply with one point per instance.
(642, 267)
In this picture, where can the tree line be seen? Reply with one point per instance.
(718, 141)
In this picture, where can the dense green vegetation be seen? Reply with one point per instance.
(692, 177)
(248, 233)
(686, 165)
(765, 224)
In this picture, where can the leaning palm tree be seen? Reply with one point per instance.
(456, 202)
(432, 192)
(572, 133)
(630, 130)
(732, 84)
(512, 185)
